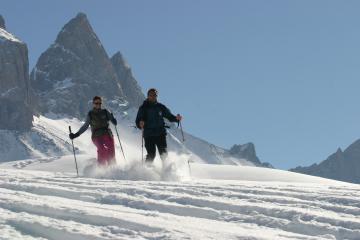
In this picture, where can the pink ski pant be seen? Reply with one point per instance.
(105, 149)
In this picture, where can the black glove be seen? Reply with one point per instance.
(113, 119)
(73, 135)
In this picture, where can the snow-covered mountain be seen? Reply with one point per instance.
(49, 138)
(342, 165)
(66, 77)
(15, 91)
(183, 197)
(73, 70)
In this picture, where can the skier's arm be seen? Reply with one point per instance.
(84, 127)
(139, 117)
(168, 115)
(111, 117)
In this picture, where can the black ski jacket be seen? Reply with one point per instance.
(153, 115)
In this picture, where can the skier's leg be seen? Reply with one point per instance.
(99, 143)
(162, 147)
(110, 149)
(150, 149)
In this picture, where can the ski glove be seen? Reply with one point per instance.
(73, 135)
(113, 119)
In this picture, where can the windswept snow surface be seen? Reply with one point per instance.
(42, 199)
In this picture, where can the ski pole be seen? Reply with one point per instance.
(183, 140)
(189, 167)
(142, 146)
(122, 150)
(72, 142)
(182, 132)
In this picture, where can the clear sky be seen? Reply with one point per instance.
(282, 74)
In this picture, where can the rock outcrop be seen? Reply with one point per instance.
(16, 111)
(130, 86)
(247, 151)
(2, 23)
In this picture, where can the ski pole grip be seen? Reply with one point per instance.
(70, 129)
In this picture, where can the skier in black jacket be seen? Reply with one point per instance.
(150, 118)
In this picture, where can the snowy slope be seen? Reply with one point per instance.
(257, 203)
(182, 198)
(49, 138)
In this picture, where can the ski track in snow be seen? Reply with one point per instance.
(44, 205)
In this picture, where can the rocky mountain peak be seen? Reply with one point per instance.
(341, 165)
(73, 70)
(247, 151)
(2, 22)
(130, 86)
(81, 16)
(353, 148)
(339, 151)
(80, 23)
(79, 36)
(248, 147)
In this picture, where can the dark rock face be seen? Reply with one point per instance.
(73, 70)
(247, 151)
(16, 112)
(342, 165)
(130, 86)
(2, 23)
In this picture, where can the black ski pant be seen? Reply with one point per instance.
(151, 143)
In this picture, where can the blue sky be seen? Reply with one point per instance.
(282, 74)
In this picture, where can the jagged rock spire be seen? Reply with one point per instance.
(248, 152)
(130, 86)
(78, 28)
(73, 70)
(2, 22)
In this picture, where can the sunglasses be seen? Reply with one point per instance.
(153, 95)
(97, 103)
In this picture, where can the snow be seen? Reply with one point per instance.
(6, 36)
(10, 147)
(181, 198)
(133, 169)
(42, 199)
(64, 84)
(57, 45)
(46, 139)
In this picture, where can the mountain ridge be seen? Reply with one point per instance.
(74, 69)
(341, 165)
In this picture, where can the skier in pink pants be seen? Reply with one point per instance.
(98, 119)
